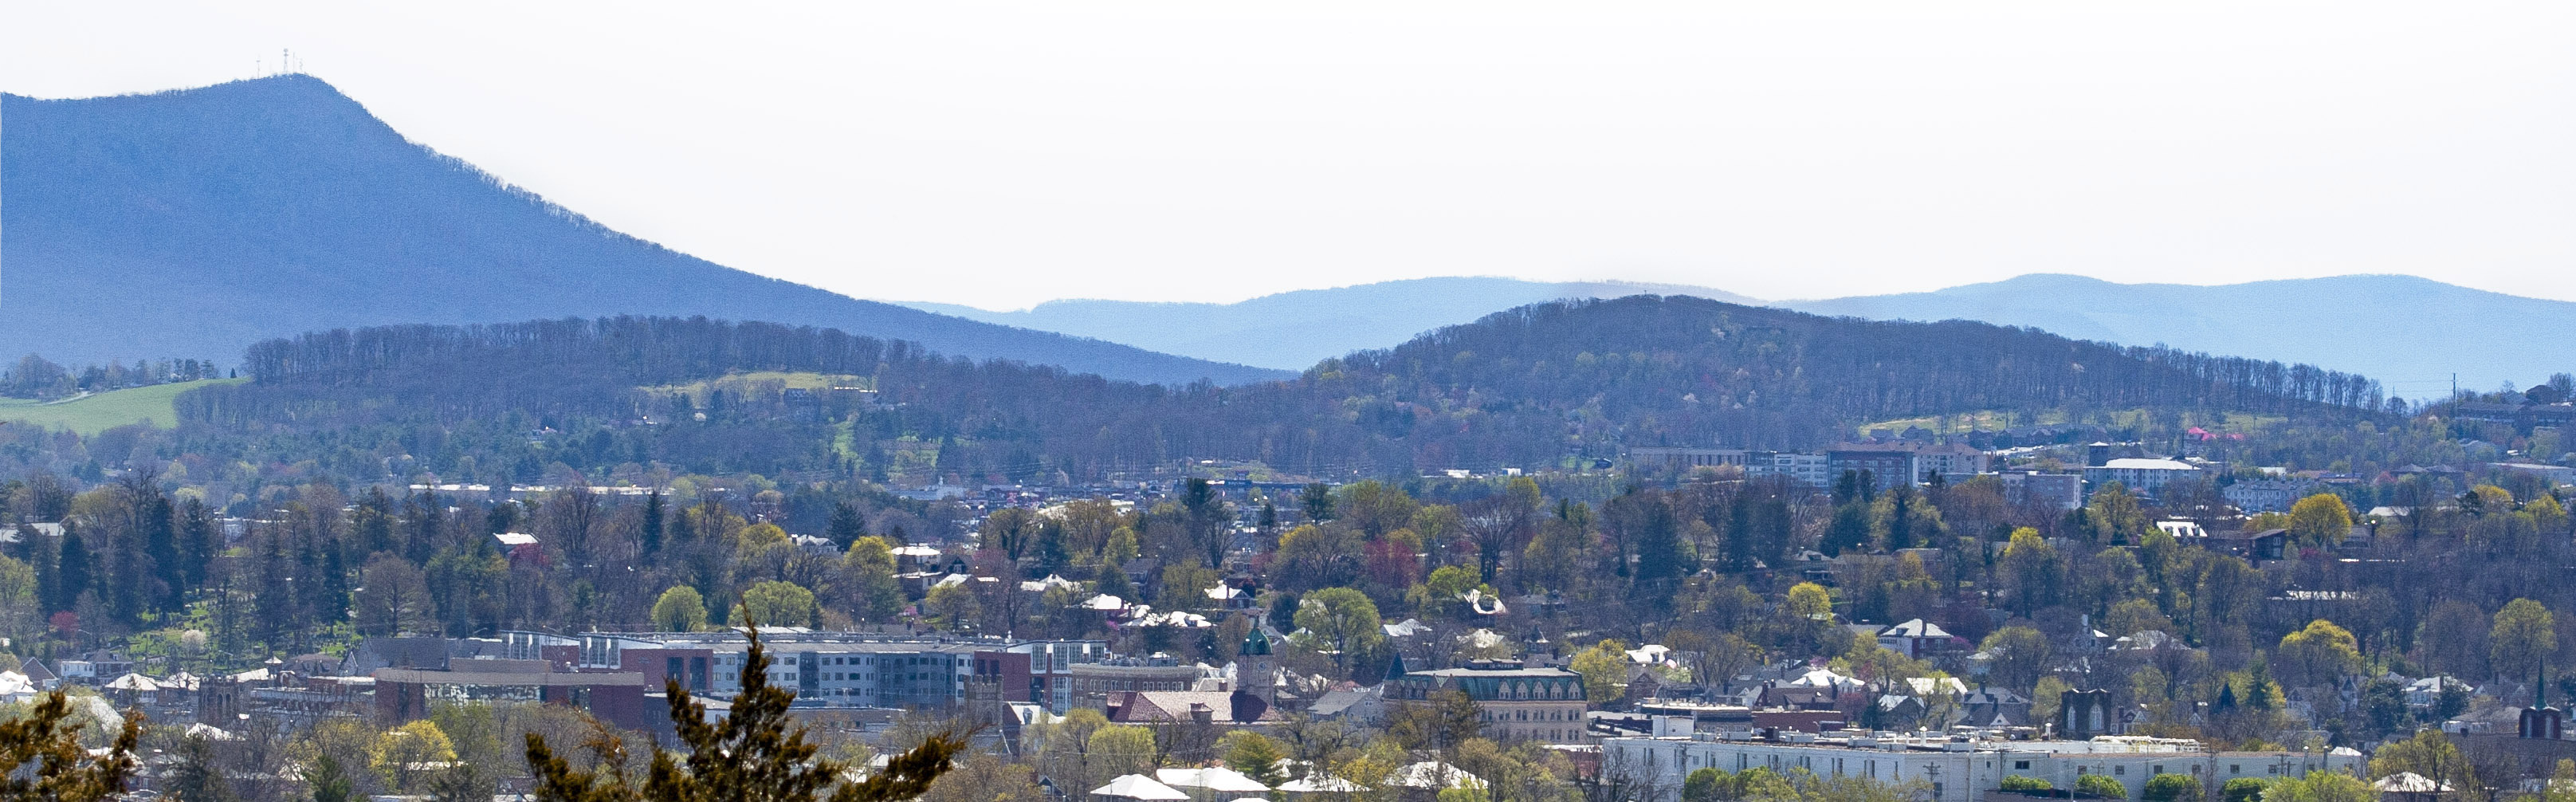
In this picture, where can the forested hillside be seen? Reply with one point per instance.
(263, 208)
(1531, 387)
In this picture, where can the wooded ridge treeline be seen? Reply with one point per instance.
(1529, 387)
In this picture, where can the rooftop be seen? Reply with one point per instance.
(2143, 464)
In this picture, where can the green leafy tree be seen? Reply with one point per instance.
(1120, 749)
(953, 606)
(680, 609)
(2562, 783)
(1808, 601)
(2320, 786)
(875, 595)
(2320, 520)
(2101, 785)
(2046, 695)
(404, 755)
(787, 603)
(2018, 782)
(2116, 515)
(2320, 654)
(2524, 635)
(2241, 789)
(1255, 755)
(2171, 787)
(1604, 668)
(2037, 572)
(1705, 785)
(750, 755)
(1341, 623)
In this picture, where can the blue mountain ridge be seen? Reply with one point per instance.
(192, 223)
(2410, 333)
(1295, 330)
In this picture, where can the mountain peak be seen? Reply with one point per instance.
(272, 206)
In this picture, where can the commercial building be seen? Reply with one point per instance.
(1094, 684)
(1958, 768)
(1514, 702)
(405, 694)
(1679, 458)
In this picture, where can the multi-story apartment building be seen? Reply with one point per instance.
(1887, 467)
(1805, 469)
(1541, 704)
(2142, 476)
(847, 670)
(2268, 495)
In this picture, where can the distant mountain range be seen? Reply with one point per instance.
(2410, 333)
(1294, 330)
(193, 223)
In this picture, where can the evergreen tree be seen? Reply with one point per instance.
(371, 526)
(158, 523)
(41, 756)
(1900, 518)
(1316, 500)
(421, 518)
(73, 570)
(199, 543)
(45, 561)
(752, 754)
(652, 526)
(199, 776)
(1740, 537)
(329, 782)
(846, 526)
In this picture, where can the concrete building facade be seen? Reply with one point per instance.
(1515, 703)
(1952, 769)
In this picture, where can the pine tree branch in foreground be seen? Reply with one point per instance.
(751, 756)
(64, 772)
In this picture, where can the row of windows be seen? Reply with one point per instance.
(1516, 691)
(1524, 715)
(1869, 768)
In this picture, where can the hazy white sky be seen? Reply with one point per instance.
(1003, 153)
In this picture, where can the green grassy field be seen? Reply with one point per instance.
(739, 382)
(104, 410)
